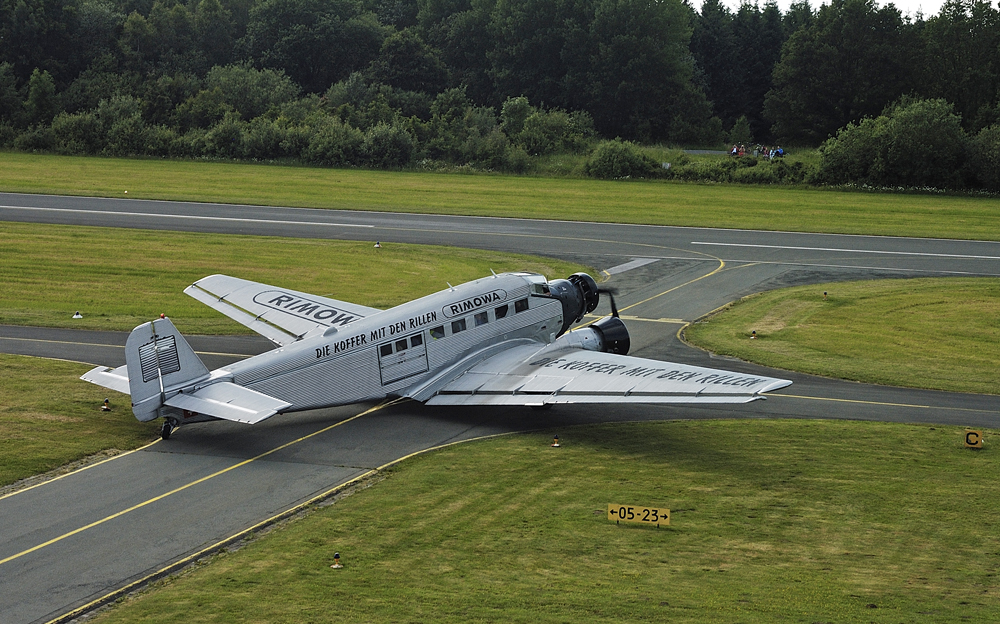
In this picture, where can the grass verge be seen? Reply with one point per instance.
(941, 333)
(49, 418)
(634, 201)
(773, 521)
(119, 278)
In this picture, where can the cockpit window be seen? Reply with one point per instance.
(540, 289)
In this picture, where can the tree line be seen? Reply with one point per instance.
(483, 82)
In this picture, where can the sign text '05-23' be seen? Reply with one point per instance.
(642, 515)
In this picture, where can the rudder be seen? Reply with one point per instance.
(160, 362)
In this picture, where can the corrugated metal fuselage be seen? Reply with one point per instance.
(386, 353)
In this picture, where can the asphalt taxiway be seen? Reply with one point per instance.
(74, 541)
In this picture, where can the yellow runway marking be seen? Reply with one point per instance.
(191, 484)
(722, 265)
(73, 472)
(938, 407)
(289, 512)
(626, 317)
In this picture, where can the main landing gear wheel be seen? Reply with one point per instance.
(166, 429)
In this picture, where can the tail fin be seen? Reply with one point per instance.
(158, 360)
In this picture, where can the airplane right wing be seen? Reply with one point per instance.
(279, 314)
(528, 374)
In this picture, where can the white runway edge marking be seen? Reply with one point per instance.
(628, 266)
(865, 251)
(195, 217)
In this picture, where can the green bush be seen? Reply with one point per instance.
(740, 133)
(7, 134)
(263, 139)
(160, 140)
(914, 143)
(334, 144)
(251, 92)
(612, 160)
(77, 134)
(226, 138)
(191, 144)
(496, 153)
(296, 141)
(388, 146)
(984, 158)
(35, 139)
(513, 114)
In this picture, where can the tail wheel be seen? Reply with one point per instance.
(166, 429)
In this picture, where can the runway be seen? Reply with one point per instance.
(79, 539)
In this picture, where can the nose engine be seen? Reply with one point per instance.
(580, 295)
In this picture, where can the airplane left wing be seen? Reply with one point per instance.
(279, 314)
(527, 375)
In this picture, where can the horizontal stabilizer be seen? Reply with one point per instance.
(113, 378)
(230, 402)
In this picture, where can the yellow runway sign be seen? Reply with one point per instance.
(641, 515)
(974, 439)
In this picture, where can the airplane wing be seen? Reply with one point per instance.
(279, 314)
(524, 374)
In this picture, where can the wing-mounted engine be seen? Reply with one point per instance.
(580, 295)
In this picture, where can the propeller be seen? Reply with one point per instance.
(610, 292)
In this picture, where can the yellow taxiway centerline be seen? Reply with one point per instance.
(191, 484)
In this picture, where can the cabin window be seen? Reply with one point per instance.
(458, 326)
(416, 341)
(501, 311)
(385, 350)
(401, 345)
(520, 305)
(482, 318)
(437, 333)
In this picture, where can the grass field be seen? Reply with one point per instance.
(49, 418)
(633, 201)
(119, 278)
(773, 521)
(942, 334)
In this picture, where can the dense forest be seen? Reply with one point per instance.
(488, 83)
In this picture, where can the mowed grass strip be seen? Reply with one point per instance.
(120, 278)
(941, 333)
(49, 418)
(631, 201)
(773, 521)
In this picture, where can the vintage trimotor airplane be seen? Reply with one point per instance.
(499, 340)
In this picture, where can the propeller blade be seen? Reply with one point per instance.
(610, 292)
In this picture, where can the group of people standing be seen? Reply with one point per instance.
(769, 153)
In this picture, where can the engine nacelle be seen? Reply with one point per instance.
(608, 335)
(578, 295)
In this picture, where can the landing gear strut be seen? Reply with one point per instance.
(167, 428)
